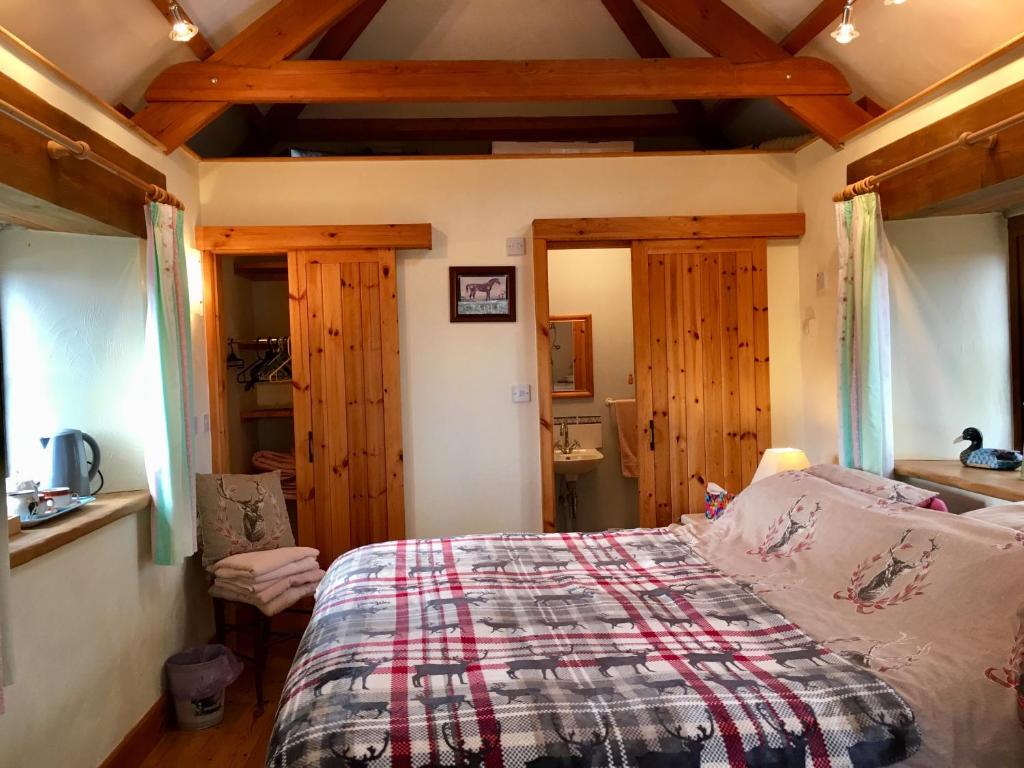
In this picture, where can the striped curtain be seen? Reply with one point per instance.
(169, 459)
(865, 386)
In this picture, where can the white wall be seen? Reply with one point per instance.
(821, 172)
(468, 448)
(599, 283)
(950, 340)
(92, 622)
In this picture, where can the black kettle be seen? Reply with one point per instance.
(68, 465)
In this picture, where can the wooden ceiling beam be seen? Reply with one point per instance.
(574, 128)
(821, 17)
(648, 45)
(199, 44)
(335, 43)
(286, 28)
(721, 31)
(332, 82)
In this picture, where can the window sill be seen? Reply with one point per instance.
(998, 485)
(108, 508)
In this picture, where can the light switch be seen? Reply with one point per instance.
(521, 393)
(515, 246)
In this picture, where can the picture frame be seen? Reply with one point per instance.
(482, 294)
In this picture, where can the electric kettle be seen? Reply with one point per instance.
(68, 465)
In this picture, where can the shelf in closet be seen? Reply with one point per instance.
(255, 414)
(262, 268)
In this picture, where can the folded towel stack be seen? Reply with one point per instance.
(285, 462)
(272, 580)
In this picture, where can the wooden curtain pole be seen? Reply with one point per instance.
(965, 140)
(60, 146)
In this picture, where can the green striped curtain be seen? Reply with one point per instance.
(169, 462)
(865, 383)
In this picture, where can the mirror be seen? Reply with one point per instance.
(572, 356)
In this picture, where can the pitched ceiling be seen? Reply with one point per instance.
(116, 47)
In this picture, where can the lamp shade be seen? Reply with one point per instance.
(777, 460)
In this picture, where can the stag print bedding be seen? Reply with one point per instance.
(541, 651)
(930, 602)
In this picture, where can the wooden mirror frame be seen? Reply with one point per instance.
(582, 355)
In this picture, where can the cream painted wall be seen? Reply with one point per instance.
(92, 622)
(468, 447)
(599, 283)
(820, 173)
(948, 286)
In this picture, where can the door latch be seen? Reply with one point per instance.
(310, 444)
(652, 434)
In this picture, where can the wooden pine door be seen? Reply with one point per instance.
(703, 402)
(348, 420)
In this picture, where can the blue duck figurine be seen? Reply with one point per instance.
(986, 458)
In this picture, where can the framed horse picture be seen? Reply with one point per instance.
(482, 294)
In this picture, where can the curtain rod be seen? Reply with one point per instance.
(61, 146)
(965, 140)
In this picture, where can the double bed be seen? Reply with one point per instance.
(824, 621)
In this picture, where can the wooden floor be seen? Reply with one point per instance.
(241, 740)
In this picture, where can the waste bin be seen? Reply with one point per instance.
(197, 679)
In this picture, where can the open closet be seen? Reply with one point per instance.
(302, 338)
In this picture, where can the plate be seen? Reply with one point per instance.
(31, 521)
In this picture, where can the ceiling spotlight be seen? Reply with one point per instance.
(895, 2)
(182, 30)
(846, 32)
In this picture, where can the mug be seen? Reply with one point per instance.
(26, 502)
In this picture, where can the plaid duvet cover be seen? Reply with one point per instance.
(542, 651)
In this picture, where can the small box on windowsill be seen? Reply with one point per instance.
(13, 525)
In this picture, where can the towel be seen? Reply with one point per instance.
(272, 607)
(270, 590)
(625, 421)
(285, 464)
(258, 564)
(247, 578)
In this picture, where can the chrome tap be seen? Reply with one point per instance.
(563, 443)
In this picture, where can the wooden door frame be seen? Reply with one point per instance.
(216, 242)
(619, 232)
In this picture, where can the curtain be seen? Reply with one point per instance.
(169, 458)
(5, 573)
(865, 386)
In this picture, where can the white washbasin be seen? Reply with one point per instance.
(579, 462)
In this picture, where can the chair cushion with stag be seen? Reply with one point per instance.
(241, 513)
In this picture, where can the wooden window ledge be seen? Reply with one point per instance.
(987, 482)
(108, 507)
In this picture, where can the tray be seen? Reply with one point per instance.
(31, 521)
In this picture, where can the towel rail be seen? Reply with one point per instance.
(610, 401)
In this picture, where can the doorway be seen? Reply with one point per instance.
(700, 357)
(593, 388)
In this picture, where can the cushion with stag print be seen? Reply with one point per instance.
(241, 513)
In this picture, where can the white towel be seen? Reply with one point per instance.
(246, 577)
(270, 590)
(265, 561)
(625, 421)
(271, 608)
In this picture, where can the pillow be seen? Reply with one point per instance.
(1008, 515)
(874, 485)
(241, 513)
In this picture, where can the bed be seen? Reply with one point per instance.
(824, 621)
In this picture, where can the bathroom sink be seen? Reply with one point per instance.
(579, 462)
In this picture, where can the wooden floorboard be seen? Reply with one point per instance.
(240, 741)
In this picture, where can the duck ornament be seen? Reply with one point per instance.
(986, 458)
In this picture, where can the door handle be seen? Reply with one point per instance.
(310, 446)
(652, 434)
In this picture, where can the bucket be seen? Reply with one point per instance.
(196, 679)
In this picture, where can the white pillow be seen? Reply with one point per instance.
(1008, 515)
